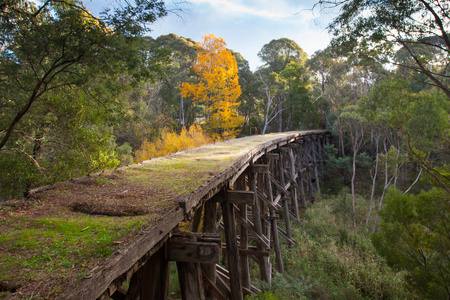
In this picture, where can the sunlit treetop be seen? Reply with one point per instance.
(218, 88)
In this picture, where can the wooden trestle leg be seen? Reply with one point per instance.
(264, 264)
(151, 281)
(232, 250)
(274, 227)
(210, 226)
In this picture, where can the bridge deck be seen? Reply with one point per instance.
(74, 238)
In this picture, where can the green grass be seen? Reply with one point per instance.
(179, 176)
(38, 247)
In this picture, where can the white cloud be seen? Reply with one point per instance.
(246, 25)
(274, 10)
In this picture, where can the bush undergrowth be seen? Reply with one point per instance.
(332, 261)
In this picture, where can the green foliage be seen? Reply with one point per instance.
(63, 137)
(279, 53)
(331, 261)
(60, 90)
(125, 154)
(420, 119)
(285, 86)
(337, 169)
(249, 83)
(423, 42)
(413, 236)
(302, 112)
(282, 287)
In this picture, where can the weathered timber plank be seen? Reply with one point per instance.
(256, 214)
(250, 227)
(236, 197)
(286, 237)
(273, 156)
(282, 188)
(212, 286)
(194, 252)
(223, 284)
(155, 281)
(210, 226)
(266, 200)
(259, 168)
(238, 174)
(191, 282)
(197, 219)
(274, 226)
(243, 236)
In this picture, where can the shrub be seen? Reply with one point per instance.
(171, 142)
(332, 261)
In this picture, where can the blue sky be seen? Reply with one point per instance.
(245, 25)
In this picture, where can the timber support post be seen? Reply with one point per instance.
(190, 250)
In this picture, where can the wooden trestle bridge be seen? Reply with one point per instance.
(235, 205)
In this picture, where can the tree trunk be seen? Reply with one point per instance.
(374, 179)
(181, 116)
(386, 185)
(355, 151)
(280, 116)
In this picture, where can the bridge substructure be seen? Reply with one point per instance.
(217, 230)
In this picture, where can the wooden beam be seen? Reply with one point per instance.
(282, 188)
(191, 282)
(268, 202)
(259, 168)
(194, 252)
(273, 156)
(210, 226)
(286, 237)
(194, 247)
(236, 197)
(256, 214)
(243, 236)
(152, 280)
(223, 281)
(250, 227)
(212, 286)
(274, 227)
(293, 178)
(210, 217)
(197, 219)
(238, 174)
(232, 251)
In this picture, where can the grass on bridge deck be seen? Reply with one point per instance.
(58, 234)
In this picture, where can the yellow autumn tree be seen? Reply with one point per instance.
(171, 142)
(218, 88)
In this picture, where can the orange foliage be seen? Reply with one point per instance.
(218, 89)
(171, 142)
